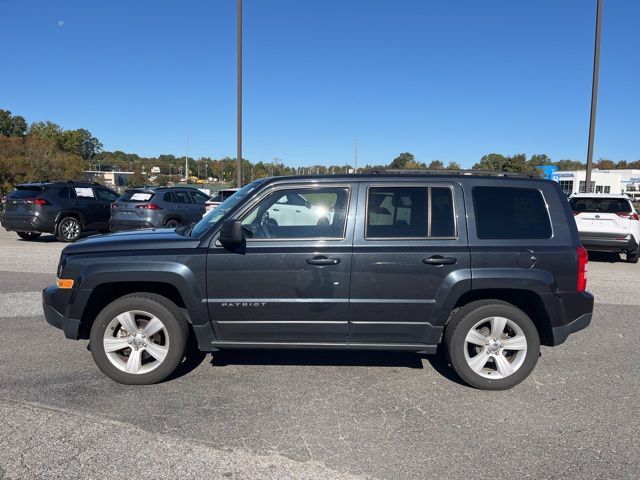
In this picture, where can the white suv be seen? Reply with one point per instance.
(607, 223)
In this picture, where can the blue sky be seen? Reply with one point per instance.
(449, 80)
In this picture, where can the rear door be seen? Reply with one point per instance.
(198, 206)
(409, 248)
(601, 216)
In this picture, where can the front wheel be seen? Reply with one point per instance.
(492, 345)
(68, 229)
(139, 339)
(29, 236)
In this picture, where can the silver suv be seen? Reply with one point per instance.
(159, 207)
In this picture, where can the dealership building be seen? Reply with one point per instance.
(602, 181)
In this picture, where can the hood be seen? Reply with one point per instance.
(156, 239)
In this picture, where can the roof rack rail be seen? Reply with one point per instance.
(450, 172)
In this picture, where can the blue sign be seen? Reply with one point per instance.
(548, 171)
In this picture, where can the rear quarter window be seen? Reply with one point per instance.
(511, 213)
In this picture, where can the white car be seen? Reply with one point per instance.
(220, 197)
(294, 209)
(607, 223)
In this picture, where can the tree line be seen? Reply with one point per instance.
(43, 151)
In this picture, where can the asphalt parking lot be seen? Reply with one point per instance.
(286, 414)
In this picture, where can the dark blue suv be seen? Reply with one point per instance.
(489, 266)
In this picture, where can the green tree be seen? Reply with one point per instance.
(453, 166)
(492, 162)
(436, 165)
(540, 159)
(567, 164)
(604, 164)
(12, 126)
(406, 161)
(137, 179)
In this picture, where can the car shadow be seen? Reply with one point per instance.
(605, 257)
(330, 358)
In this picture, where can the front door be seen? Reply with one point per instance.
(291, 284)
(409, 249)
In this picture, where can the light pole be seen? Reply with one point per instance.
(239, 95)
(594, 97)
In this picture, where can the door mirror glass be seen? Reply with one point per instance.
(231, 236)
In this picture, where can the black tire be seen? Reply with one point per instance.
(172, 223)
(632, 257)
(175, 326)
(68, 229)
(459, 351)
(29, 236)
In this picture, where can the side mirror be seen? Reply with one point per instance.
(231, 236)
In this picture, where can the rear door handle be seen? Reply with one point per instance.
(438, 260)
(322, 260)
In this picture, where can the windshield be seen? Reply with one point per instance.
(605, 205)
(225, 207)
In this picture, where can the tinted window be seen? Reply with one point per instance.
(397, 212)
(442, 222)
(26, 192)
(105, 195)
(181, 196)
(510, 213)
(322, 216)
(168, 197)
(65, 193)
(606, 205)
(199, 198)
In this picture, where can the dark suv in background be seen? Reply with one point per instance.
(63, 208)
(489, 266)
(158, 207)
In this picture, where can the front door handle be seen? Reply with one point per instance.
(322, 260)
(439, 260)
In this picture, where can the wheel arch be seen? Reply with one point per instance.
(528, 301)
(107, 292)
(70, 213)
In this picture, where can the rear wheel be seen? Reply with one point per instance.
(139, 339)
(632, 257)
(68, 229)
(30, 236)
(492, 345)
(172, 223)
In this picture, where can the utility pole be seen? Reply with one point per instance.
(594, 96)
(355, 160)
(239, 95)
(186, 159)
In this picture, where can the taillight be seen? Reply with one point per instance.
(576, 213)
(149, 206)
(583, 260)
(36, 201)
(114, 205)
(629, 215)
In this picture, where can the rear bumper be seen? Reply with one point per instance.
(569, 312)
(122, 225)
(26, 223)
(609, 244)
(55, 303)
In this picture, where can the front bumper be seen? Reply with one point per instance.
(55, 303)
(609, 244)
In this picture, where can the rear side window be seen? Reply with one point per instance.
(404, 212)
(167, 197)
(603, 205)
(181, 196)
(511, 213)
(136, 196)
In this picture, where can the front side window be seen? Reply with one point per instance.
(106, 195)
(511, 213)
(199, 198)
(313, 213)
